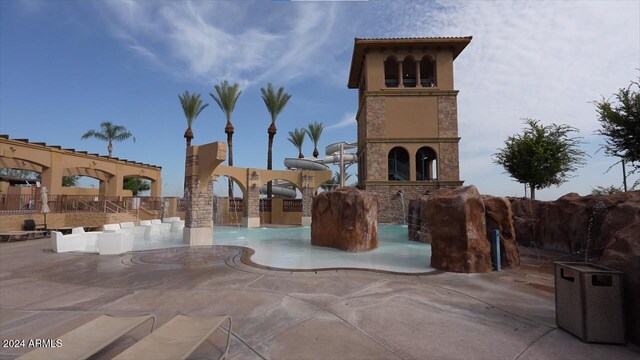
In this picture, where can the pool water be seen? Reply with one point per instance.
(290, 248)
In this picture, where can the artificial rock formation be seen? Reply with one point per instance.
(602, 229)
(454, 224)
(345, 219)
(623, 253)
(498, 216)
(574, 223)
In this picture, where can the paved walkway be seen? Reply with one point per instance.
(283, 315)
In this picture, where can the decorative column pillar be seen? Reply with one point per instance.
(198, 225)
(400, 75)
(201, 161)
(251, 211)
(418, 82)
(308, 181)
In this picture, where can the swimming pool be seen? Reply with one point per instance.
(290, 248)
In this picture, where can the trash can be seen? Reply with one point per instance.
(589, 302)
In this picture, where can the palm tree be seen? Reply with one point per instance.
(296, 137)
(275, 103)
(192, 106)
(314, 131)
(109, 133)
(334, 183)
(226, 96)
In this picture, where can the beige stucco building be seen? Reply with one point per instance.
(407, 118)
(54, 162)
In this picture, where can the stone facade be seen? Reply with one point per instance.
(390, 201)
(449, 163)
(199, 212)
(447, 116)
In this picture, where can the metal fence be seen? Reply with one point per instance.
(292, 205)
(29, 204)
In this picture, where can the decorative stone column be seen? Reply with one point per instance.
(308, 180)
(201, 160)
(251, 211)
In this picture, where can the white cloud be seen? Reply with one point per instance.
(349, 119)
(211, 41)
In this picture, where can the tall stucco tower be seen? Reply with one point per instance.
(407, 118)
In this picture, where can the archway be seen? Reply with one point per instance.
(426, 164)
(398, 164)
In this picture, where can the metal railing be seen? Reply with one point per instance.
(292, 205)
(28, 204)
(265, 205)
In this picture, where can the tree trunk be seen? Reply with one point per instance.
(229, 130)
(188, 134)
(315, 152)
(624, 176)
(110, 148)
(532, 188)
(300, 156)
(272, 133)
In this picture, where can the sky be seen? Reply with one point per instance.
(66, 66)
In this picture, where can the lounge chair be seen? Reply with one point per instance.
(177, 339)
(88, 339)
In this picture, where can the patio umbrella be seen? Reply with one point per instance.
(44, 198)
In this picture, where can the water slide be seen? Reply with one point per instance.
(335, 154)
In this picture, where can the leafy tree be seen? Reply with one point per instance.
(608, 190)
(192, 106)
(20, 174)
(67, 181)
(296, 137)
(314, 130)
(109, 133)
(275, 102)
(620, 125)
(541, 156)
(70, 181)
(226, 97)
(136, 185)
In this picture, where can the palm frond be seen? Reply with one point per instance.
(314, 130)
(296, 137)
(226, 97)
(192, 106)
(275, 102)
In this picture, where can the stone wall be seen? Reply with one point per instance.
(448, 159)
(447, 116)
(201, 204)
(390, 208)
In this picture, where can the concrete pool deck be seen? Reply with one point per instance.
(336, 314)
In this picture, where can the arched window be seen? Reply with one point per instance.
(409, 72)
(427, 72)
(398, 164)
(426, 164)
(391, 72)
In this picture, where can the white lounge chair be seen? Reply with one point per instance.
(88, 339)
(177, 339)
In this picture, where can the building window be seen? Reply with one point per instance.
(426, 164)
(409, 72)
(427, 72)
(398, 164)
(391, 72)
